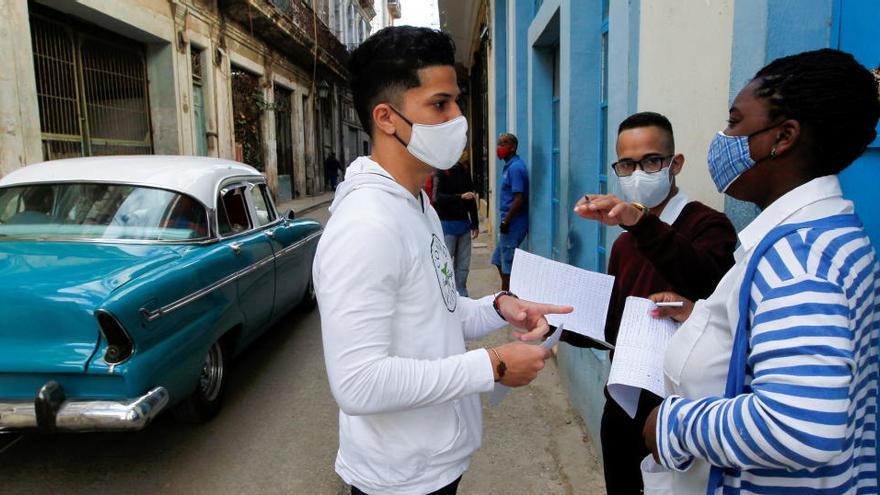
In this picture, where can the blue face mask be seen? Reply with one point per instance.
(729, 157)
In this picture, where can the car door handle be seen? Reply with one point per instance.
(270, 234)
(236, 247)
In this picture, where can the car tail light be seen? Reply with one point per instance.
(119, 344)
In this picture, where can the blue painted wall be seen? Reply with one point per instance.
(855, 30)
(499, 44)
(584, 371)
(543, 37)
(764, 30)
(581, 87)
(522, 20)
(511, 62)
(573, 29)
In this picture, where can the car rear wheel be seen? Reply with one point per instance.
(205, 401)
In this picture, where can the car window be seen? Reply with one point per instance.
(232, 214)
(186, 213)
(261, 204)
(99, 211)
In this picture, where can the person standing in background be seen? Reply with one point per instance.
(514, 207)
(331, 170)
(456, 204)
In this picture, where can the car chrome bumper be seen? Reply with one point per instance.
(51, 411)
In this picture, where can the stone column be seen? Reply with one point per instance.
(19, 112)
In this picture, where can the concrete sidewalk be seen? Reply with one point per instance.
(306, 203)
(534, 442)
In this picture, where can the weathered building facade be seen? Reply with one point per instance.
(387, 11)
(260, 81)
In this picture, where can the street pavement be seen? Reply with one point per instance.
(277, 433)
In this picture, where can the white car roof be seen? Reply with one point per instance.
(196, 176)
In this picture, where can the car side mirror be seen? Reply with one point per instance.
(290, 215)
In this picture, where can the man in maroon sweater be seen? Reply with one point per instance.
(670, 244)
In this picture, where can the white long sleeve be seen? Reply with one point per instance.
(358, 274)
(478, 317)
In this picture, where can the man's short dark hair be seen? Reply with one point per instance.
(509, 138)
(649, 119)
(387, 63)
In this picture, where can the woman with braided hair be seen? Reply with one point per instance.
(773, 379)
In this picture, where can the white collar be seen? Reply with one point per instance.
(673, 208)
(779, 211)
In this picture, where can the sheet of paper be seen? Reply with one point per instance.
(553, 339)
(500, 391)
(638, 356)
(543, 280)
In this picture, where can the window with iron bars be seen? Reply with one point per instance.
(91, 90)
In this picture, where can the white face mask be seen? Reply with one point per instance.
(647, 189)
(438, 145)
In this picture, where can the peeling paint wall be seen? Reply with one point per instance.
(684, 73)
(19, 114)
(169, 30)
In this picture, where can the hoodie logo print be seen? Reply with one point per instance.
(443, 269)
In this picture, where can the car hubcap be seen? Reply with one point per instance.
(212, 373)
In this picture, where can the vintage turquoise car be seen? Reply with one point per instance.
(128, 283)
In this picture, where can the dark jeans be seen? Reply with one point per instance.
(450, 489)
(459, 247)
(623, 447)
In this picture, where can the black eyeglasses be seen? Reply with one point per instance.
(650, 164)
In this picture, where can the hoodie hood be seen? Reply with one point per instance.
(366, 173)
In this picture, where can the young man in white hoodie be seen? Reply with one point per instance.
(393, 324)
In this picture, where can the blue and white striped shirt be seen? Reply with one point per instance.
(807, 422)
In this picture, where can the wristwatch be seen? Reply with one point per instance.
(642, 208)
(497, 297)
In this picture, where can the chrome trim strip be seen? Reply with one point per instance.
(242, 181)
(89, 415)
(183, 301)
(254, 230)
(155, 314)
(89, 240)
(292, 247)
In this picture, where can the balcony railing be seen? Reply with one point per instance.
(289, 26)
(367, 5)
(394, 8)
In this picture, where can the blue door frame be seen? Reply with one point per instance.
(854, 30)
(602, 230)
(555, 186)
